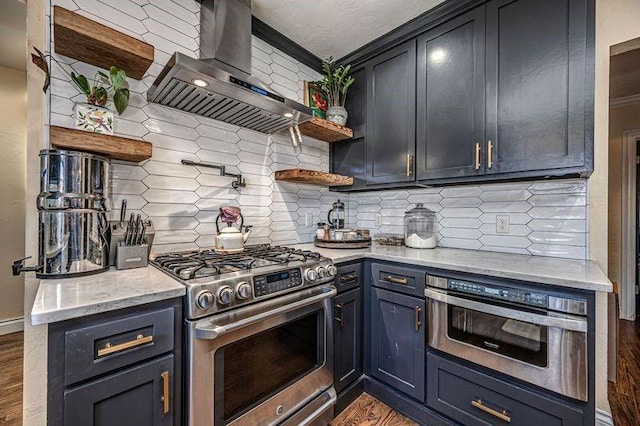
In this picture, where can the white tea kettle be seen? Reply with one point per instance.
(231, 239)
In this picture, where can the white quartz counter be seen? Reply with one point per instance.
(578, 274)
(63, 299)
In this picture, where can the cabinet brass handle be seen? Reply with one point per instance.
(340, 318)
(165, 392)
(477, 156)
(409, 164)
(417, 310)
(395, 280)
(490, 154)
(501, 415)
(111, 348)
(348, 277)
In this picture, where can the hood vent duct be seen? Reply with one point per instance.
(218, 86)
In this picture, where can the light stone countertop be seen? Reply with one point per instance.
(63, 299)
(577, 274)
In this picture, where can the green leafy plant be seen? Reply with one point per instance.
(96, 90)
(336, 82)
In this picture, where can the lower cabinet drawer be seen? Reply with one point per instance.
(474, 398)
(117, 343)
(400, 278)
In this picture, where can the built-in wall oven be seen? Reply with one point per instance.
(535, 336)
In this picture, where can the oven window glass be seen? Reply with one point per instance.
(514, 339)
(253, 369)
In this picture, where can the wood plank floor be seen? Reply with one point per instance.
(368, 411)
(624, 396)
(11, 349)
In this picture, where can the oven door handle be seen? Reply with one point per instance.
(571, 324)
(243, 317)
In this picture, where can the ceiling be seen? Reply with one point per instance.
(625, 74)
(13, 33)
(335, 28)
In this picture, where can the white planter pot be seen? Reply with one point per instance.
(93, 118)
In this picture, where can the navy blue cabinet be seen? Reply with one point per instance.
(397, 341)
(503, 90)
(347, 339)
(117, 368)
(473, 398)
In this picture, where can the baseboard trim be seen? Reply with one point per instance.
(11, 326)
(603, 418)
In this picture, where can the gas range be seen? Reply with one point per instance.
(219, 282)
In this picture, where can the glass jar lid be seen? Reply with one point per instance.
(420, 210)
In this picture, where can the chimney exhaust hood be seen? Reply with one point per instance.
(220, 86)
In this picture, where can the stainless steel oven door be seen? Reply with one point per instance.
(262, 364)
(546, 349)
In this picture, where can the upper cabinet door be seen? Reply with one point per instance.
(451, 98)
(391, 99)
(535, 84)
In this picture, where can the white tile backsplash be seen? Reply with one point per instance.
(546, 218)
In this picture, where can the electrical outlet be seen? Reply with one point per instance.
(308, 220)
(378, 219)
(502, 224)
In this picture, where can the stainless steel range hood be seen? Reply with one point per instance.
(220, 86)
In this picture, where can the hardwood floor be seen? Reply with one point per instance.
(11, 379)
(368, 411)
(624, 396)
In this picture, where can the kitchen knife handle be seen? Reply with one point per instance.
(123, 212)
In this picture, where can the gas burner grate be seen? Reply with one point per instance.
(206, 263)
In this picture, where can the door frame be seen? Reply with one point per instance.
(628, 241)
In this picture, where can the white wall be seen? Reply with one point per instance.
(13, 138)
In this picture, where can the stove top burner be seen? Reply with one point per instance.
(207, 263)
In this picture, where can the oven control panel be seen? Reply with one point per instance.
(526, 297)
(278, 281)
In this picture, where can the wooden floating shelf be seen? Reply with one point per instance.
(88, 41)
(313, 177)
(325, 130)
(114, 147)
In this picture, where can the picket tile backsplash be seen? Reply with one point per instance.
(546, 218)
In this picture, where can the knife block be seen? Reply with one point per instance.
(128, 257)
(117, 238)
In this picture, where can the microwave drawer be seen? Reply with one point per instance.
(399, 278)
(93, 350)
(474, 398)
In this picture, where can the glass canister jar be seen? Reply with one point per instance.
(419, 227)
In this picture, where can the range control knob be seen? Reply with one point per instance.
(243, 290)
(322, 272)
(311, 274)
(204, 299)
(332, 270)
(225, 295)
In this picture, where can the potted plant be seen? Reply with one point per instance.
(335, 84)
(92, 116)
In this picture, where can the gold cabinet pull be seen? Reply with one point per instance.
(166, 396)
(477, 156)
(340, 318)
(111, 348)
(417, 310)
(501, 415)
(395, 280)
(409, 164)
(490, 154)
(347, 278)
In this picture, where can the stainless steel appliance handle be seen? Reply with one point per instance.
(268, 309)
(578, 324)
